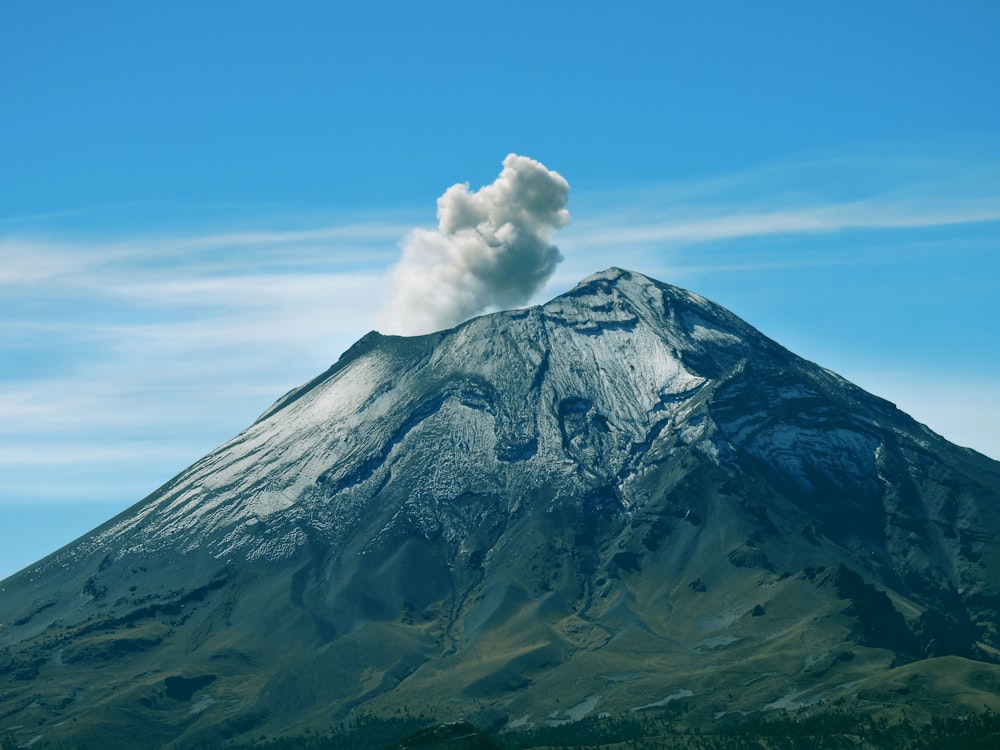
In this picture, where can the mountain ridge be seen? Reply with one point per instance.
(622, 495)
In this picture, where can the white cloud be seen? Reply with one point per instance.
(730, 222)
(491, 250)
(99, 263)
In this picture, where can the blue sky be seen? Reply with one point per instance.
(200, 202)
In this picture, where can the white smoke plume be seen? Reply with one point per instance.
(491, 250)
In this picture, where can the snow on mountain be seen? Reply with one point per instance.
(598, 352)
(569, 395)
(623, 494)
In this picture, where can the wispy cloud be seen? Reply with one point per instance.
(704, 226)
(100, 261)
(139, 354)
(730, 222)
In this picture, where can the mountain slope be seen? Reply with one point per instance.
(626, 499)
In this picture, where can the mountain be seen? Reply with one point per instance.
(626, 500)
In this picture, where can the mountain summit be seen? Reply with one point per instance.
(624, 499)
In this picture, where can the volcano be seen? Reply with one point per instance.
(624, 500)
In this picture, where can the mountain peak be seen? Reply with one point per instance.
(638, 291)
(612, 273)
(613, 281)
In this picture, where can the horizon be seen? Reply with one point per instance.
(200, 208)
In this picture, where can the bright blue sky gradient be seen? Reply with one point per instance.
(199, 202)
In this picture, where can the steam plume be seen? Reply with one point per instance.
(491, 250)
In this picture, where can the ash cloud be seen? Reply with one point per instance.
(491, 250)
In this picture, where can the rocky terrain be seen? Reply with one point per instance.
(626, 501)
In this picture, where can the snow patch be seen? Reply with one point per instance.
(683, 693)
(576, 713)
(713, 335)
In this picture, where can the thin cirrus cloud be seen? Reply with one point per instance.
(31, 261)
(139, 355)
(728, 223)
(879, 189)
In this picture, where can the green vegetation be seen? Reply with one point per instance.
(593, 731)
(830, 731)
(981, 732)
(364, 733)
(458, 736)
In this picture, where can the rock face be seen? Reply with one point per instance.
(626, 499)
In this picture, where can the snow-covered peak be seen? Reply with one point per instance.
(567, 396)
(554, 395)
